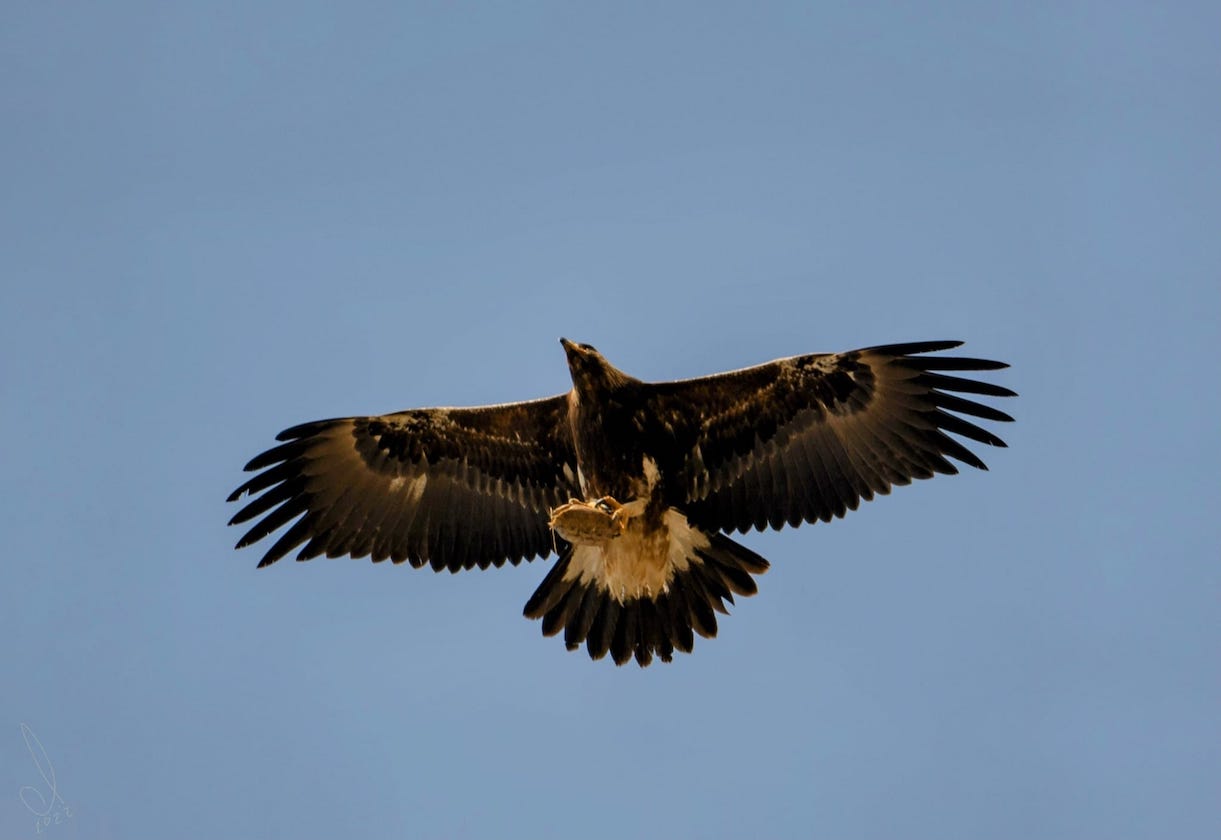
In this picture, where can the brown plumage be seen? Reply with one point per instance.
(675, 463)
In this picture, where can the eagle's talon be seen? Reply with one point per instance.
(620, 517)
(607, 504)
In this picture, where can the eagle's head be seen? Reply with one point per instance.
(590, 371)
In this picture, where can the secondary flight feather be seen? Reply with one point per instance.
(636, 485)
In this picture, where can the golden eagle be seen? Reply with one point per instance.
(632, 483)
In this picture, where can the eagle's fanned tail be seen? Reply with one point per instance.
(646, 625)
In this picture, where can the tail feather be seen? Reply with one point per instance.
(602, 632)
(587, 611)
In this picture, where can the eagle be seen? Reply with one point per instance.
(635, 485)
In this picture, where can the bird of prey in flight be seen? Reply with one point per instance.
(635, 485)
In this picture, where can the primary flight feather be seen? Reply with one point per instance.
(635, 484)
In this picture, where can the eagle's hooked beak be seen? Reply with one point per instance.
(574, 350)
(586, 364)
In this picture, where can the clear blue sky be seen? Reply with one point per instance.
(219, 220)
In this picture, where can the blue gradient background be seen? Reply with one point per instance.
(219, 220)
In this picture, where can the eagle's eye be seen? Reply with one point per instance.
(588, 347)
(604, 506)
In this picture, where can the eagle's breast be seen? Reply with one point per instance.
(609, 444)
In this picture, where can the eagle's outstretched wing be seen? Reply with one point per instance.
(806, 438)
(452, 487)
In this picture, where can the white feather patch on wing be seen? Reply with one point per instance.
(642, 562)
(413, 489)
